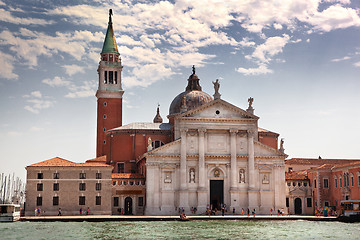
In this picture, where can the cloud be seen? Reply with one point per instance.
(261, 69)
(56, 82)
(14, 134)
(357, 64)
(73, 69)
(36, 102)
(29, 45)
(6, 16)
(36, 129)
(7, 66)
(86, 89)
(340, 59)
(272, 46)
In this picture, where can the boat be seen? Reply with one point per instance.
(350, 211)
(9, 212)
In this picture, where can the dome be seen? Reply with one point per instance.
(192, 98)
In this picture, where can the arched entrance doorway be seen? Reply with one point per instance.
(128, 206)
(216, 193)
(298, 208)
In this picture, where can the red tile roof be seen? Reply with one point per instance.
(60, 162)
(298, 175)
(317, 161)
(126, 175)
(101, 159)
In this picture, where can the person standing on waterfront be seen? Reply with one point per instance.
(87, 211)
(39, 211)
(223, 211)
(242, 211)
(253, 212)
(233, 211)
(248, 212)
(59, 214)
(80, 211)
(271, 210)
(35, 212)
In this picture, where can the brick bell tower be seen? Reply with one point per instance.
(109, 93)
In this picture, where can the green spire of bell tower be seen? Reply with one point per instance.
(110, 45)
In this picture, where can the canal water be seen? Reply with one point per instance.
(181, 230)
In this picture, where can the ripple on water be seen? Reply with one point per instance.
(180, 230)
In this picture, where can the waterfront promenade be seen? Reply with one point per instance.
(105, 218)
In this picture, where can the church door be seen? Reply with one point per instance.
(216, 193)
(128, 206)
(298, 208)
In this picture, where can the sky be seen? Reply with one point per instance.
(298, 59)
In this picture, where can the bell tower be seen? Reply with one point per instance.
(110, 92)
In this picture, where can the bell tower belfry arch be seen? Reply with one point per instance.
(110, 92)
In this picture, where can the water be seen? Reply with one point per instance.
(181, 230)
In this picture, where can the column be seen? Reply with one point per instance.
(202, 192)
(184, 200)
(253, 194)
(251, 159)
(201, 159)
(233, 173)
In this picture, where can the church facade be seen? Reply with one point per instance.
(209, 154)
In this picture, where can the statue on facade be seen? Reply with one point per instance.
(250, 109)
(242, 176)
(282, 149)
(216, 87)
(149, 147)
(192, 175)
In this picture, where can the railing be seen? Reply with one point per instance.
(110, 64)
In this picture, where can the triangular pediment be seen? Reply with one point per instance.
(172, 148)
(218, 109)
(264, 150)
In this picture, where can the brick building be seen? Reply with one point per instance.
(58, 183)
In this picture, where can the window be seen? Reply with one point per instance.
(352, 180)
(98, 200)
(359, 180)
(287, 202)
(39, 186)
(299, 184)
(98, 186)
(105, 75)
(314, 183)
(289, 184)
(326, 183)
(82, 200)
(111, 77)
(104, 142)
(39, 201)
(98, 175)
(56, 187)
(121, 167)
(326, 204)
(105, 104)
(340, 182)
(156, 144)
(104, 129)
(110, 57)
(294, 184)
(290, 169)
(131, 183)
(55, 200)
(141, 201)
(335, 182)
(40, 176)
(114, 183)
(115, 73)
(308, 202)
(56, 175)
(82, 175)
(305, 184)
(82, 186)
(116, 201)
(104, 116)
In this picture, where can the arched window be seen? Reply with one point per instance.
(352, 180)
(156, 144)
(340, 181)
(335, 182)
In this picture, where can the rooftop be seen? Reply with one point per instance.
(144, 126)
(126, 175)
(60, 162)
(317, 161)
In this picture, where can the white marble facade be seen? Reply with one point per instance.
(216, 158)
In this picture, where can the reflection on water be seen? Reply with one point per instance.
(181, 230)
